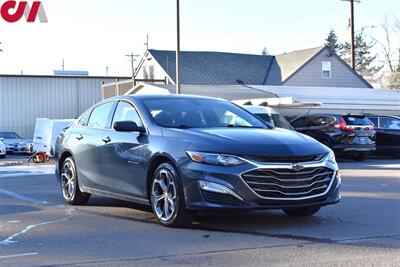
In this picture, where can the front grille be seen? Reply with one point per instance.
(288, 183)
(286, 159)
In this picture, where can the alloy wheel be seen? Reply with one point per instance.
(68, 180)
(164, 195)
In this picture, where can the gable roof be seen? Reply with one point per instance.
(291, 62)
(216, 68)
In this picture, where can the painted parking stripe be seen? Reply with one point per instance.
(18, 255)
(21, 197)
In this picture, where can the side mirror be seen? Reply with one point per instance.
(128, 126)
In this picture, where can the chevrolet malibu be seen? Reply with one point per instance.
(186, 154)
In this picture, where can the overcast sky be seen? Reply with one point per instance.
(94, 34)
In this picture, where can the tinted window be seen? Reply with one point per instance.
(126, 112)
(199, 113)
(100, 116)
(374, 121)
(299, 123)
(314, 121)
(389, 123)
(357, 120)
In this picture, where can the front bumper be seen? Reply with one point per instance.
(244, 197)
(354, 148)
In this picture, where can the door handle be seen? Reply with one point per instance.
(79, 137)
(107, 140)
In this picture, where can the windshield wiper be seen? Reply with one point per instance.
(241, 126)
(183, 126)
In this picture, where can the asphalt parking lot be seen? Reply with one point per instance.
(37, 229)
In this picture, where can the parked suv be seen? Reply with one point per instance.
(387, 133)
(351, 135)
(183, 154)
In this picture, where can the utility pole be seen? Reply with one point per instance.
(178, 48)
(63, 64)
(352, 43)
(132, 59)
(147, 42)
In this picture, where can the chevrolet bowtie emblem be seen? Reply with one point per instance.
(298, 167)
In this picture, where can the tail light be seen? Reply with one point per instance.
(343, 126)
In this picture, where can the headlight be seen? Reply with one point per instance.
(331, 157)
(214, 159)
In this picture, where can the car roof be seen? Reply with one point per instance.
(166, 96)
(332, 115)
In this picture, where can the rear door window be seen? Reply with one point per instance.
(374, 120)
(357, 120)
(390, 123)
(100, 117)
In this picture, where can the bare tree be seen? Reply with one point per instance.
(390, 51)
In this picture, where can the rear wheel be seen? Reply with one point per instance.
(360, 156)
(167, 198)
(2, 156)
(302, 212)
(70, 185)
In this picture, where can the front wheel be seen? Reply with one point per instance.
(302, 212)
(167, 198)
(70, 186)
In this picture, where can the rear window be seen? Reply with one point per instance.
(357, 120)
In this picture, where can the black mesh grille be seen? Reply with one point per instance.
(288, 183)
(280, 159)
(220, 198)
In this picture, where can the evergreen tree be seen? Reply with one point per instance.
(365, 61)
(332, 42)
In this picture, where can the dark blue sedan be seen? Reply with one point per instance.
(185, 154)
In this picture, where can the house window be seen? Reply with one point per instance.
(326, 69)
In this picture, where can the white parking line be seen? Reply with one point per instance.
(18, 255)
(21, 197)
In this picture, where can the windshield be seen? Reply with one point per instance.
(9, 136)
(276, 120)
(199, 113)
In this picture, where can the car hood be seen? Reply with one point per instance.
(254, 141)
(14, 141)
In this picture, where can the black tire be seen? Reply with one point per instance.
(302, 212)
(360, 156)
(180, 216)
(2, 156)
(71, 195)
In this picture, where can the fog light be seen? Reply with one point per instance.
(217, 188)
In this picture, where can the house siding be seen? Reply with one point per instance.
(151, 69)
(311, 74)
